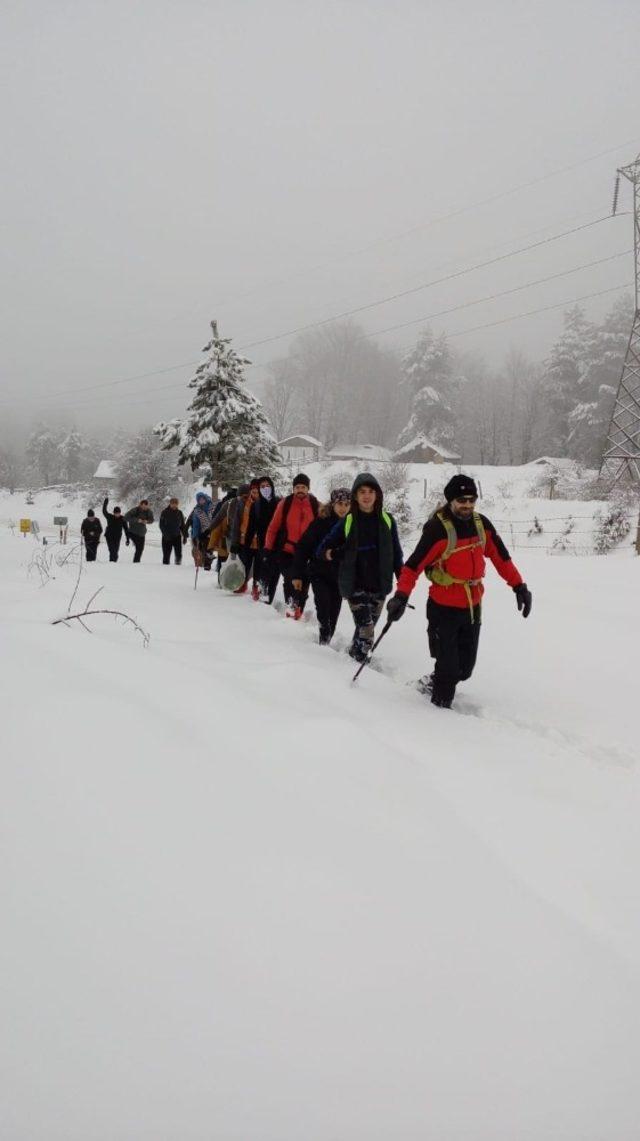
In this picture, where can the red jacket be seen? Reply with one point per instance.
(300, 514)
(468, 564)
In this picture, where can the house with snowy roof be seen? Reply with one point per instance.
(105, 471)
(364, 453)
(300, 449)
(421, 450)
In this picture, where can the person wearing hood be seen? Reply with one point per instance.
(114, 530)
(290, 520)
(137, 520)
(322, 573)
(451, 552)
(367, 547)
(91, 530)
(201, 523)
(260, 516)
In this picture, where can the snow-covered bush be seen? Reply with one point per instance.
(397, 502)
(612, 527)
(536, 528)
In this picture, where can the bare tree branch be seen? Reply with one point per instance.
(86, 613)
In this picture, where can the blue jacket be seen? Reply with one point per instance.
(197, 527)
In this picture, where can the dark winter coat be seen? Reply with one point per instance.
(262, 512)
(172, 523)
(137, 519)
(306, 563)
(91, 530)
(116, 525)
(368, 550)
(469, 564)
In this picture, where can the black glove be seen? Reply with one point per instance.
(396, 606)
(524, 599)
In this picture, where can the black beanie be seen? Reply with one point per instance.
(460, 485)
(301, 478)
(90, 513)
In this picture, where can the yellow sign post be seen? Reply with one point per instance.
(25, 527)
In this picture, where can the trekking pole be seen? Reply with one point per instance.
(195, 585)
(385, 630)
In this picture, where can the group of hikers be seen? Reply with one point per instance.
(347, 549)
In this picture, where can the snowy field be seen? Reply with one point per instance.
(246, 901)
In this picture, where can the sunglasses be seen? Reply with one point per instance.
(466, 498)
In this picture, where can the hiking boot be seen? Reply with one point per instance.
(255, 592)
(293, 611)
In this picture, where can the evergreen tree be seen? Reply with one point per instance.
(429, 373)
(589, 420)
(225, 433)
(564, 376)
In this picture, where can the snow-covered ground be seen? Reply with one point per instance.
(246, 901)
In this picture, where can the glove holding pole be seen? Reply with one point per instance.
(397, 605)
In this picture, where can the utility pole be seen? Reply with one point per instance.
(621, 457)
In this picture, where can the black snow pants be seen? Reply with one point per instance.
(366, 609)
(169, 544)
(328, 602)
(453, 642)
(250, 559)
(138, 543)
(91, 548)
(292, 596)
(113, 543)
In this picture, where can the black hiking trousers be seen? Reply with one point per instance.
(328, 602)
(138, 544)
(91, 547)
(113, 545)
(453, 642)
(366, 608)
(169, 544)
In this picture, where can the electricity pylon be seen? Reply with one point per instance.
(621, 456)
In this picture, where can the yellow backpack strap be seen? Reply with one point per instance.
(387, 519)
(348, 523)
(482, 534)
(452, 537)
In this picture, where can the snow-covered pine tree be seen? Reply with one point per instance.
(429, 371)
(563, 378)
(225, 433)
(589, 420)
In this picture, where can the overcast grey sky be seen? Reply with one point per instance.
(165, 162)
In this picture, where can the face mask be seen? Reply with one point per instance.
(266, 492)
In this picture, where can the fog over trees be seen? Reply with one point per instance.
(338, 384)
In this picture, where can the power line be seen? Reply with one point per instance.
(425, 225)
(494, 296)
(459, 333)
(324, 321)
(426, 284)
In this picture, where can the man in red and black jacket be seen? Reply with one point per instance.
(290, 520)
(451, 552)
